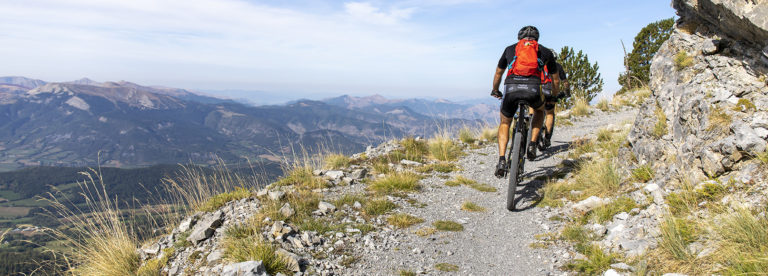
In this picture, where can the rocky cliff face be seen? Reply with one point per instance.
(709, 108)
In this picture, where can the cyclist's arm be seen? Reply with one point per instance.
(555, 84)
(497, 78)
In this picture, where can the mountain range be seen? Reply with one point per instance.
(123, 124)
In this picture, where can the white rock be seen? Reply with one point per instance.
(588, 204)
(326, 207)
(276, 195)
(335, 175)
(621, 216)
(249, 268)
(611, 272)
(406, 162)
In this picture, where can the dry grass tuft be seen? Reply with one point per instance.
(472, 207)
(604, 105)
(467, 135)
(580, 107)
(397, 183)
(336, 161)
(683, 60)
(442, 148)
(660, 128)
(447, 225)
(403, 220)
(302, 178)
(719, 121)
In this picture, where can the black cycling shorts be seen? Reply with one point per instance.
(515, 92)
(546, 89)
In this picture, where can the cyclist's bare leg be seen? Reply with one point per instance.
(550, 120)
(538, 118)
(503, 133)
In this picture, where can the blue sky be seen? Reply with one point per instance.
(315, 49)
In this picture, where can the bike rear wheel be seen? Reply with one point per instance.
(514, 160)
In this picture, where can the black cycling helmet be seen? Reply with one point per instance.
(528, 31)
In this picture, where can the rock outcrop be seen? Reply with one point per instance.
(709, 107)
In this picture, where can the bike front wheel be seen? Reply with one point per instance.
(517, 146)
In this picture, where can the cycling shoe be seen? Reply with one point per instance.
(531, 151)
(501, 169)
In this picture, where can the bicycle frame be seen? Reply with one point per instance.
(522, 123)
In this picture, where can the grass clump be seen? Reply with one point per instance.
(466, 135)
(253, 249)
(710, 191)
(446, 267)
(425, 231)
(414, 150)
(461, 180)
(762, 157)
(406, 272)
(349, 199)
(599, 178)
(447, 225)
(442, 148)
(597, 261)
(215, 202)
(472, 207)
(744, 105)
(607, 211)
(676, 235)
(683, 60)
(154, 266)
(302, 177)
(336, 161)
(604, 105)
(378, 207)
(660, 128)
(580, 107)
(403, 220)
(643, 173)
(489, 134)
(719, 121)
(442, 167)
(744, 243)
(303, 203)
(396, 183)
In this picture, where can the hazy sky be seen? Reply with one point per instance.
(408, 48)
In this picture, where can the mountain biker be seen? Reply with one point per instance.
(550, 102)
(522, 86)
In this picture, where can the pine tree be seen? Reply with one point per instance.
(647, 43)
(584, 81)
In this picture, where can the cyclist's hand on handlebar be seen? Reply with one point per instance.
(496, 94)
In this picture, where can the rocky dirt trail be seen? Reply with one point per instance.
(494, 242)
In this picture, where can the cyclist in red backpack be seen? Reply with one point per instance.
(524, 62)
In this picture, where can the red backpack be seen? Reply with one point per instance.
(526, 62)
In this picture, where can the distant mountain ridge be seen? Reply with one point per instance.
(439, 108)
(126, 125)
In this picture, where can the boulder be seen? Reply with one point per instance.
(205, 228)
(406, 162)
(249, 268)
(276, 195)
(359, 174)
(325, 207)
(334, 175)
(287, 211)
(588, 204)
(294, 262)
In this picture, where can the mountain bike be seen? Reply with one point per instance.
(517, 151)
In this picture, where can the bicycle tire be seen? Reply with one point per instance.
(514, 170)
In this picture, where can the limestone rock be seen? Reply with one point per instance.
(588, 204)
(325, 207)
(205, 228)
(249, 268)
(276, 195)
(287, 210)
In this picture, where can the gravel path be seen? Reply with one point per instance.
(495, 242)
